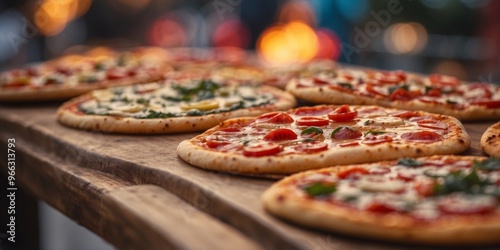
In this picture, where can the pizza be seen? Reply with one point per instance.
(436, 93)
(490, 140)
(179, 104)
(280, 76)
(438, 200)
(76, 74)
(321, 136)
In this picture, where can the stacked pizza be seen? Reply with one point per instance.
(379, 148)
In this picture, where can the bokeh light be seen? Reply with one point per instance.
(167, 32)
(451, 68)
(329, 46)
(405, 38)
(52, 16)
(231, 33)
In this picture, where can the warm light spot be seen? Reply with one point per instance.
(167, 32)
(294, 42)
(329, 46)
(231, 33)
(451, 68)
(51, 16)
(405, 38)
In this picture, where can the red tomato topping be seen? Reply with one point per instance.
(379, 207)
(422, 136)
(312, 121)
(342, 114)
(424, 187)
(319, 81)
(490, 104)
(63, 70)
(276, 117)
(405, 176)
(390, 77)
(116, 74)
(370, 87)
(443, 80)
(213, 141)
(231, 129)
(483, 86)
(262, 150)
(352, 171)
(346, 133)
(406, 114)
(312, 111)
(403, 94)
(457, 205)
(312, 147)
(432, 124)
(280, 135)
(434, 92)
(376, 139)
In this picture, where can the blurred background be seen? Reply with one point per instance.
(456, 37)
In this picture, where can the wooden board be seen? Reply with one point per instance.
(104, 182)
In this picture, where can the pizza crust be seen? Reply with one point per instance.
(282, 200)
(326, 95)
(457, 141)
(69, 115)
(490, 140)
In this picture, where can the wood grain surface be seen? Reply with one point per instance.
(136, 193)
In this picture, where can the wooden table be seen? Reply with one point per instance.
(137, 194)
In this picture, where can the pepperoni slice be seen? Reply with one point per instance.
(319, 81)
(432, 124)
(262, 150)
(113, 74)
(312, 121)
(276, 117)
(406, 114)
(492, 104)
(280, 135)
(443, 80)
(390, 77)
(422, 136)
(352, 172)
(345, 133)
(342, 114)
(371, 139)
(405, 95)
(312, 111)
(312, 147)
(371, 88)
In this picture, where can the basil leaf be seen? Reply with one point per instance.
(458, 181)
(99, 66)
(319, 189)
(143, 101)
(345, 85)
(490, 164)
(394, 88)
(368, 122)
(408, 162)
(309, 130)
(336, 130)
(374, 132)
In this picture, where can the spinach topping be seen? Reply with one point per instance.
(408, 162)
(99, 66)
(345, 85)
(489, 164)
(309, 130)
(394, 88)
(143, 101)
(374, 132)
(154, 114)
(319, 189)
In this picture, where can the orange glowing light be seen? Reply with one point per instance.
(294, 42)
(329, 45)
(405, 38)
(51, 16)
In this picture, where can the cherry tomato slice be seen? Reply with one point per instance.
(312, 111)
(262, 150)
(457, 205)
(406, 114)
(433, 92)
(391, 77)
(351, 172)
(342, 114)
(213, 141)
(432, 124)
(280, 134)
(276, 117)
(421, 136)
(312, 121)
(443, 80)
(113, 74)
(312, 147)
(424, 187)
(370, 87)
(319, 81)
(379, 207)
(345, 133)
(490, 104)
(376, 139)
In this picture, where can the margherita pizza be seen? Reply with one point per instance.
(174, 105)
(437, 93)
(442, 200)
(490, 140)
(73, 75)
(321, 136)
